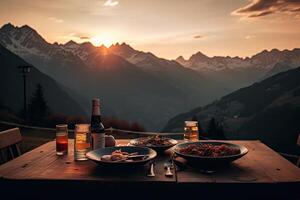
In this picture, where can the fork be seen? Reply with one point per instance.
(168, 166)
(151, 171)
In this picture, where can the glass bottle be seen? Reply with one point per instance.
(97, 128)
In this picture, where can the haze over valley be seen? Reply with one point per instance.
(136, 85)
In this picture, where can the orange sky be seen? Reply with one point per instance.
(168, 28)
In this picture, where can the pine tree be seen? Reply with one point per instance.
(220, 133)
(212, 128)
(215, 130)
(38, 109)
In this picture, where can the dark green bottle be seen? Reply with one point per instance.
(97, 128)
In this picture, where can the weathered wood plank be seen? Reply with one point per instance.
(260, 165)
(26, 159)
(244, 170)
(49, 166)
(274, 165)
(41, 172)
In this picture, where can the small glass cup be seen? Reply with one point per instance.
(82, 142)
(191, 131)
(61, 139)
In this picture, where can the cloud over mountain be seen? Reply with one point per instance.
(77, 36)
(198, 37)
(259, 8)
(85, 37)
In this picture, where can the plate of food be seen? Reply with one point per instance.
(157, 142)
(210, 152)
(122, 156)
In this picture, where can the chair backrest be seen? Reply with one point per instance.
(9, 148)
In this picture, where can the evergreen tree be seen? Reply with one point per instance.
(38, 109)
(212, 128)
(220, 132)
(215, 130)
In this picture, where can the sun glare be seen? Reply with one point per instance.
(97, 41)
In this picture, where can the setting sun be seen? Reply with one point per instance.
(97, 41)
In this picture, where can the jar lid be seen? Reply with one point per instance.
(191, 123)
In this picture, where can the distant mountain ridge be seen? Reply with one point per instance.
(236, 72)
(265, 59)
(171, 72)
(268, 111)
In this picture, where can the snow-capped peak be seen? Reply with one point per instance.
(23, 40)
(264, 60)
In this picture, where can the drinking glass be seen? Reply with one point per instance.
(191, 131)
(61, 139)
(82, 141)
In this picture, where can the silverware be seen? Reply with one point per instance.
(151, 171)
(137, 156)
(132, 156)
(168, 166)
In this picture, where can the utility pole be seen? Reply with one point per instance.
(24, 70)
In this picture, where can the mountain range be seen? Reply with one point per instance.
(136, 85)
(265, 59)
(236, 72)
(148, 93)
(268, 110)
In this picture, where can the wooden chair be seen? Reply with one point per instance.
(9, 148)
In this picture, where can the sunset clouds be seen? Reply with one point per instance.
(111, 3)
(77, 37)
(259, 8)
(167, 28)
(198, 37)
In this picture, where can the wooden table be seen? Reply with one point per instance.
(262, 172)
